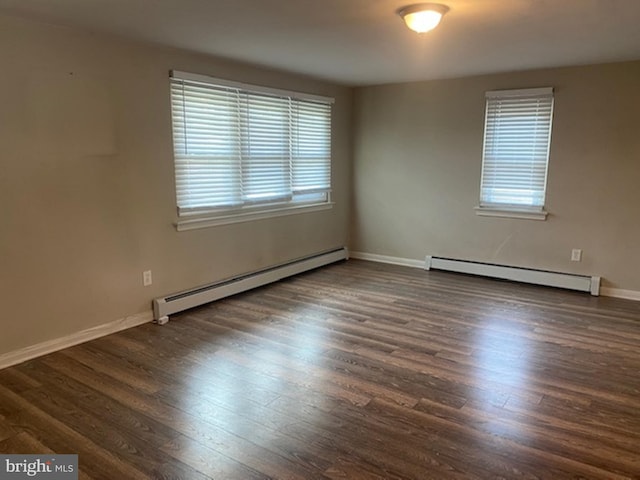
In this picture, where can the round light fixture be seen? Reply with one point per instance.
(422, 17)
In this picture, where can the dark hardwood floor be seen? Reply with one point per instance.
(354, 371)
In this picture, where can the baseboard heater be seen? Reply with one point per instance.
(569, 281)
(165, 306)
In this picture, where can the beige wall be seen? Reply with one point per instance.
(86, 183)
(417, 162)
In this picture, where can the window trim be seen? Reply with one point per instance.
(203, 220)
(505, 210)
(511, 212)
(202, 217)
(196, 77)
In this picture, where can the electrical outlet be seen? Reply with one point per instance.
(146, 278)
(576, 255)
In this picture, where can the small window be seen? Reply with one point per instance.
(241, 150)
(517, 137)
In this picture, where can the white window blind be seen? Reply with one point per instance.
(516, 148)
(236, 148)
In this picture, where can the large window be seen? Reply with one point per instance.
(242, 151)
(517, 137)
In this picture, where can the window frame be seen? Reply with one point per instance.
(201, 217)
(516, 210)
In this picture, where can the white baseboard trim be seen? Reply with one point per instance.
(405, 262)
(619, 293)
(50, 346)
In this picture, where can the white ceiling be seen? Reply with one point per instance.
(363, 42)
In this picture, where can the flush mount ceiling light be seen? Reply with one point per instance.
(422, 17)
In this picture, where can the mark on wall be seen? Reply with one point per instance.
(70, 114)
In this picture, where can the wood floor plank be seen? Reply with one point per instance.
(354, 371)
(516, 457)
(5, 429)
(353, 390)
(209, 462)
(23, 442)
(98, 461)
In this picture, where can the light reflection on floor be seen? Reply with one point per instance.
(502, 369)
(229, 389)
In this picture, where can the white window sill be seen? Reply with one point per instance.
(506, 212)
(238, 217)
